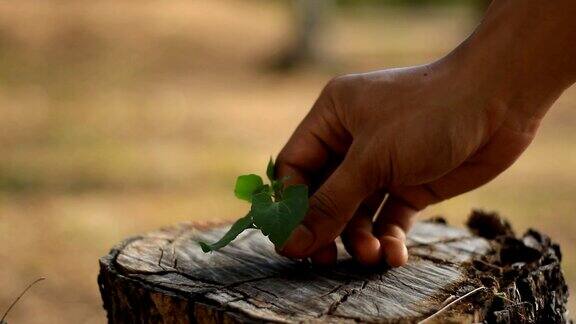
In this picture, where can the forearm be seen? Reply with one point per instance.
(523, 52)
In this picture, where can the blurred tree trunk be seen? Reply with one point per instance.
(308, 19)
(309, 16)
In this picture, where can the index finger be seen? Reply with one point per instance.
(307, 153)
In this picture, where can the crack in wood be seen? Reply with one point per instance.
(349, 293)
(160, 258)
(335, 289)
(242, 282)
(401, 281)
(266, 291)
(434, 259)
(443, 241)
(259, 303)
(133, 272)
(173, 245)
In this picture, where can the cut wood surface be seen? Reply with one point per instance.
(164, 277)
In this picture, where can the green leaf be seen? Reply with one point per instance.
(278, 219)
(247, 185)
(238, 227)
(276, 210)
(277, 187)
(264, 189)
(270, 171)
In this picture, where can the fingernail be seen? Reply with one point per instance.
(299, 241)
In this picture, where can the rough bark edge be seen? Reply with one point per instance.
(530, 285)
(523, 277)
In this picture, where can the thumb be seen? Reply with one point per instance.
(331, 207)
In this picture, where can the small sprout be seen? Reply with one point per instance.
(276, 210)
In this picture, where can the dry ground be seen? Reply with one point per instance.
(117, 118)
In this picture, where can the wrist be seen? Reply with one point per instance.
(519, 55)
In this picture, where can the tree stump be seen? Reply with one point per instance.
(483, 273)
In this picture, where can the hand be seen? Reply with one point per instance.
(421, 135)
(425, 134)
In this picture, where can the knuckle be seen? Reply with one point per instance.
(284, 161)
(341, 83)
(282, 158)
(340, 95)
(323, 205)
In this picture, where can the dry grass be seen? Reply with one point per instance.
(117, 118)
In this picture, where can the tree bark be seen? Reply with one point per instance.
(453, 275)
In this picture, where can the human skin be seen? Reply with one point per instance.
(426, 133)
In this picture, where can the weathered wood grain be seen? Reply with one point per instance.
(164, 277)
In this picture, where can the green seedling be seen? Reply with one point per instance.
(276, 209)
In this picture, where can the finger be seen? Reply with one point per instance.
(394, 251)
(496, 156)
(331, 207)
(325, 256)
(358, 237)
(395, 218)
(318, 138)
(391, 225)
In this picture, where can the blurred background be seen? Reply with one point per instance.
(118, 117)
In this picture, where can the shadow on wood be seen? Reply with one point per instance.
(457, 275)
